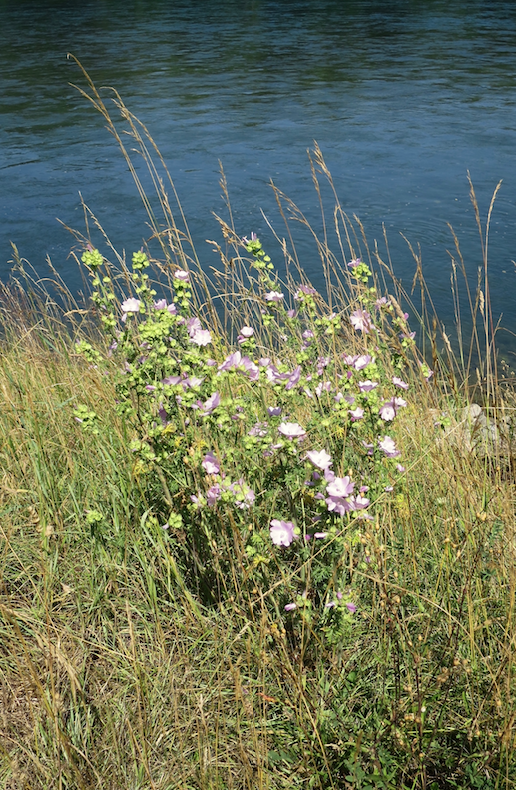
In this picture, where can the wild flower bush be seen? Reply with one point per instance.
(273, 451)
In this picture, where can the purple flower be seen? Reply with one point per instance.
(338, 492)
(400, 468)
(356, 414)
(281, 532)
(388, 446)
(322, 362)
(213, 494)
(293, 378)
(304, 290)
(193, 325)
(362, 361)
(361, 321)
(171, 381)
(355, 263)
(198, 500)
(211, 464)
(290, 607)
(400, 383)
(244, 495)
(131, 305)
(367, 386)
(390, 408)
(340, 487)
(320, 535)
(382, 302)
(351, 607)
(231, 361)
(211, 404)
(163, 415)
(182, 275)
(291, 430)
(320, 458)
(274, 296)
(387, 412)
(259, 429)
(245, 333)
(359, 502)
(160, 305)
(323, 386)
(274, 411)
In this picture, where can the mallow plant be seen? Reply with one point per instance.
(266, 455)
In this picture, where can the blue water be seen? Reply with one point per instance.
(403, 98)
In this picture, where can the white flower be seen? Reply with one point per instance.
(320, 459)
(131, 305)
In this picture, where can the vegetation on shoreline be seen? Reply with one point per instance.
(244, 542)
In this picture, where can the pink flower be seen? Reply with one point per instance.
(290, 607)
(244, 495)
(340, 487)
(131, 305)
(182, 275)
(400, 383)
(213, 494)
(367, 386)
(231, 361)
(356, 414)
(274, 296)
(359, 502)
(245, 333)
(320, 459)
(361, 321)
(291, 430)
(362, 361)
(304, 290)
(211, 404)
(388, 446)
(211, 464)
(338, 492)
(281, 532)
(382, 302)
(387, 412)
(390, 408)
(293, 378)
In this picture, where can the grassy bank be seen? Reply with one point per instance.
(249, 539)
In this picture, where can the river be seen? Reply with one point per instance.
(403, 97)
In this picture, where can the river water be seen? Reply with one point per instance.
(403, 97)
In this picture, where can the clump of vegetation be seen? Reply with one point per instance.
(244, 542)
